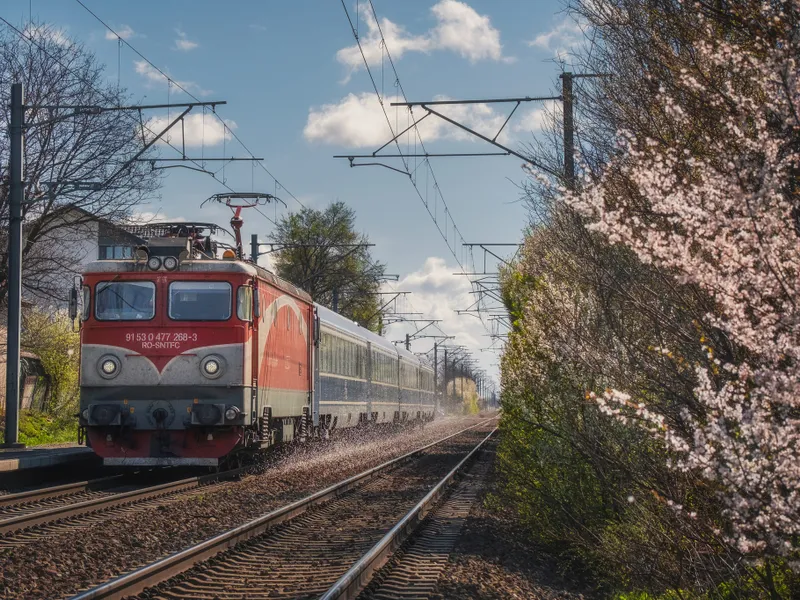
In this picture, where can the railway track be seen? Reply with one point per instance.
(28, 516)
(414, 570)
(336, 537)
(12, 504)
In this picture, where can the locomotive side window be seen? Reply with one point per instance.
(199, 301)
(244, 303)
(125, 301)
(87, 295)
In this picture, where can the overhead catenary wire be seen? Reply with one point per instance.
(406, 164)
(177, 84)
(411, 173)
(103, 95)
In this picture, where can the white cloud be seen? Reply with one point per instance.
(144, 69)
(153, 77)
(534, 119)
(197, 131)
(183, 43)
(438, 293)
(46, 32)
(125, 32)
(561, 39)
(358, 121)
(464, 31)
(459, 29)
(397, 40)
(145, 217)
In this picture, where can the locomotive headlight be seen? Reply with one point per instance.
(211, 366)
(154, 263)
(85, 414)
(231, 413)
(109, 366)
(170, 263)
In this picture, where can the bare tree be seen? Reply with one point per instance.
(65, 153)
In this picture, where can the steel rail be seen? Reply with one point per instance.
(49, 515)
(358, 576)
(134, 582)
(56, 491)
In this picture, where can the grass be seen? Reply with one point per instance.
(37, 428)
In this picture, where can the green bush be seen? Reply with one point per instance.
(49, 335)
(36, 428)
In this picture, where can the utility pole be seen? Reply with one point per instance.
(435, 375)
(569, 140)
(335, 300)
(462, 382)
(408, 342)
(444, 379)
(17, 192)
(254, 248)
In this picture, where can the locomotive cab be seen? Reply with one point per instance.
(170, 355)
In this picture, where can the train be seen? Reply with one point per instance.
(190, 359)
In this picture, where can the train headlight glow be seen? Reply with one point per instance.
(108, 366)
(154, 263)
(170, 263)
(211, 366)
(85, 414)
(231, 413)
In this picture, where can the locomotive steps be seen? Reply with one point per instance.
(304, 547)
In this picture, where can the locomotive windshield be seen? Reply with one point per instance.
(199, 301)
(124, 300)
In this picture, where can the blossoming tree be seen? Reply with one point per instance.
(716, 202)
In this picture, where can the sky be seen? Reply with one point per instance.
(297, 94)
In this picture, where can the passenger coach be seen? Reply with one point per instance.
(362, 375)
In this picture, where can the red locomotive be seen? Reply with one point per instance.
(187, 359)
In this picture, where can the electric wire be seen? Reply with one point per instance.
(406, 164)
(190, 94)
(102, 94)
(418, 136)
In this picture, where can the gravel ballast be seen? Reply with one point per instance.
(492, 560)
(62, 565)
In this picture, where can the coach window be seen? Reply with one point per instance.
(124, 301)
(199, 301)
(244, 303)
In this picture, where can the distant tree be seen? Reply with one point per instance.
(321, 255)
(62, 151)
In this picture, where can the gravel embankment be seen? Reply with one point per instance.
(63, 564)
(492, 560)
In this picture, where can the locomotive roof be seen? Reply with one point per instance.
(200, 266)
(338, 321)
